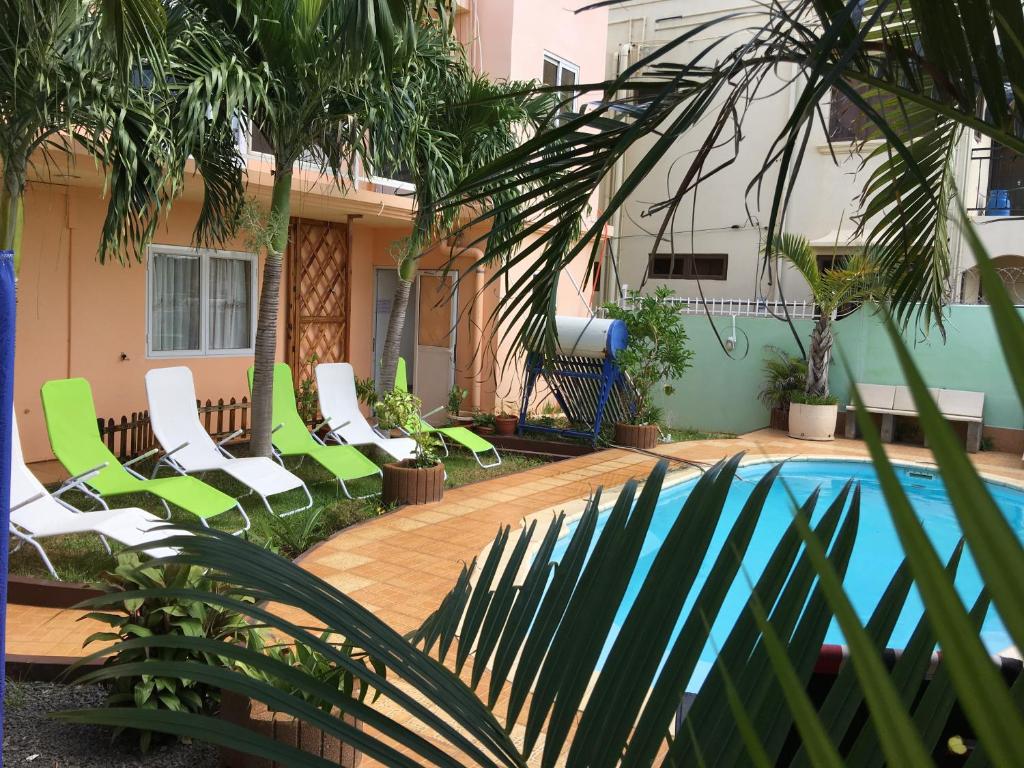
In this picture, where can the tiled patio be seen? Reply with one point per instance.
(402, 564)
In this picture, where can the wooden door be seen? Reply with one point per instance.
(319, 276)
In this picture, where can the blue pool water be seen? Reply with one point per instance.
(876, 555)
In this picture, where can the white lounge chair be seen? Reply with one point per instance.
(37, 514)
(336, 385)
(190, 449)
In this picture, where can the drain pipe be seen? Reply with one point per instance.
(476, 328)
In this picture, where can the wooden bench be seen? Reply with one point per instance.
(891, 401)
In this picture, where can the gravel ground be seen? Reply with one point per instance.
(33, 739)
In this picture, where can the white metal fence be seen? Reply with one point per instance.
(798, 310)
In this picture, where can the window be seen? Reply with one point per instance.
(827, 261)
(200, 302)
(846, 122)
(560, 73)
(689, 266)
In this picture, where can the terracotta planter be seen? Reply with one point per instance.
(404, 484)
(461, 421)
(506, 425)
(483, 429)
(254, 716)
(636, 435)
(813, 422)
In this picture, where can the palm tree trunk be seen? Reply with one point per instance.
(820, 355)
(12, 198)
(266, 321)
(396, 324)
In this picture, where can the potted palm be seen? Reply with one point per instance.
(419, 480)
(505, 422)
(655, 353)
(456, 395)
(813, 410)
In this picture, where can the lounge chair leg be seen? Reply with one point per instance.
(493, 464)
(106, 544)
(38, 548)
(309, 503)
(245, 517)
(167, 507)
(344, 489)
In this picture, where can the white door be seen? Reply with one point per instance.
(436, 318)
(428, 338)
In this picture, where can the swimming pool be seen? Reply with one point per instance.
(876, 555)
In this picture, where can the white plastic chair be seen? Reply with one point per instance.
(36, 514)
(190, 449)
(336, 385)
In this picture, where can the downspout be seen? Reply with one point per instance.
(476, 326)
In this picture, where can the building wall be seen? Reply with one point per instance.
(723, 216)
(720, 394)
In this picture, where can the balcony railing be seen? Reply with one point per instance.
(999, 190)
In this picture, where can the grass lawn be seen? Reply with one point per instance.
(81, 557)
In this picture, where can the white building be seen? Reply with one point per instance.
(719, 233)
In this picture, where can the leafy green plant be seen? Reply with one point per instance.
(366, 391)
(784, 376)
(805, 399)
(401, 410)
(306, 397)
(656, 350)
(132, 616)
(311, 664)
(291, 536)
(455, 397)
(483, 418)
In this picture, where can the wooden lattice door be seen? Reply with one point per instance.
(319, 276)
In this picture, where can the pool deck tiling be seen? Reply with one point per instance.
(401, 564)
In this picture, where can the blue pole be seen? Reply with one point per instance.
(7, 308)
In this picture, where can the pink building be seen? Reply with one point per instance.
(111, 323)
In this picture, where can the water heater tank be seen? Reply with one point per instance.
(590, 336)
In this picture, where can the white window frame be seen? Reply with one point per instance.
(204, 254)
(563, 64)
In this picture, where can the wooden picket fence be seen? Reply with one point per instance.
(132, 435)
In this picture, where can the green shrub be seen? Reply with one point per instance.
(656, 351)
(146, 617)
(401, 410)
(805, 399)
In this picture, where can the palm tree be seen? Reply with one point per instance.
(315, 55)
(855, 280)
(444, 123)
(918, 81)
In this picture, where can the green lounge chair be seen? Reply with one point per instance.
(76, 442)
(292, 438)
(468, 440)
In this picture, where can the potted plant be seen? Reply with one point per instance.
(257, 717)
(813, 410)
(655, 353)
(505, 422)
(419, 480)
(483, 423)
(455, 397)
(784, 376)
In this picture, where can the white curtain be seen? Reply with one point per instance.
(230, 303)
(175, 302)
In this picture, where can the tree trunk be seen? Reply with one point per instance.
(396, 324)
(266, 321)
(820, 355)
(12, 197)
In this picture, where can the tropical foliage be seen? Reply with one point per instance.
(527, 632)
(656, 352)
(437, 121)
(784, 376)
(918, 72)
(858, 278)
(402, 410)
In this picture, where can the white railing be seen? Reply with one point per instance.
(798, 310)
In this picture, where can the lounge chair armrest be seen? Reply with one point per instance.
(327, 423)
(147, 454)
(174, 450)
(76, 480)
(230, 437)
(279, 426)
(26, 502)
(431, 413)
